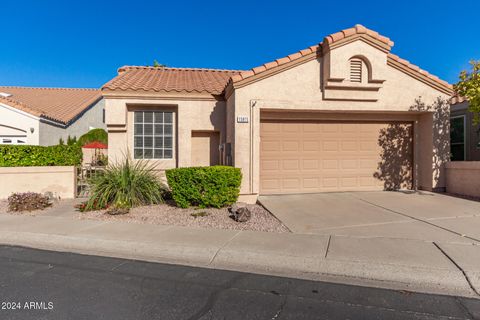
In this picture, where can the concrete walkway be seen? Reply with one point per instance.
(449, 267)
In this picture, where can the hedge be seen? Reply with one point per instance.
(28, 156)
(99, 135)
(215, 186)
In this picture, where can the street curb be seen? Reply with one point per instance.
(413, 278)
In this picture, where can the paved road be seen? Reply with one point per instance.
(53, 285)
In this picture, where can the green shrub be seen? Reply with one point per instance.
(28, 156)
(99, 135)
(126, 185)
(215, 186)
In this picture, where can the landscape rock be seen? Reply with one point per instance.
(240, 212)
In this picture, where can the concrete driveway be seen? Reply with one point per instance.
(408, 215)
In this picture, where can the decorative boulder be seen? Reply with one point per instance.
(114, 211)
(240, 213)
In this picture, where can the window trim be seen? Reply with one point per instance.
(464, 135)
(173, 134)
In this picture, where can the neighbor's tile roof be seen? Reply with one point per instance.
(164, 79)
(58, 104)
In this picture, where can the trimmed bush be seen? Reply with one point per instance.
(28, 156)
(99, 135)
(125, 185)
(204, 187)
(28, 201)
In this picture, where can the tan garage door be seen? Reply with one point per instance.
(302, 157)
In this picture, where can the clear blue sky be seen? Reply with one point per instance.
(83, 43)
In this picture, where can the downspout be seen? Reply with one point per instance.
(253, 103)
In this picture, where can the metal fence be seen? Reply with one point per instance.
(84, 173)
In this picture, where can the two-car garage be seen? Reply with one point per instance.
(306, 156)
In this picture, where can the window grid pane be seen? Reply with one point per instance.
(153, 135)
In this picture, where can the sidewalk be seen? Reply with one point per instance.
(448, 268)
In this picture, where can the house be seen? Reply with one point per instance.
(464, 134)
(343, 115)
(41, 116)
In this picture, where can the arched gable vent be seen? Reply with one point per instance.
(357, 70)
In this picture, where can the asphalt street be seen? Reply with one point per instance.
(37, 284)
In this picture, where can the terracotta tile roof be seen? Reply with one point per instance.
(330, 39)
(358, 29)
(164, 79)
(214, 81)
(422, 72)
(270, 65)
(457, 99)
(58, 104)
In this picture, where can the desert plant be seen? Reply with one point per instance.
(215, 186)
(28, 201)
(126, 184)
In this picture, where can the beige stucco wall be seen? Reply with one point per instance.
(61, 181)
(463, 177)
(197, 114)
(300, 88)
(14, 122)
(90, 154)
(92, 118)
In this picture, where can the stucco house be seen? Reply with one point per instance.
(464, 134)
(41, 116)
(342, 115)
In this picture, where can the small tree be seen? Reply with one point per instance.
(469, 87)
(71, 141)
(157, 64)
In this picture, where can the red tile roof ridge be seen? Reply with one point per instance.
(357, 29)
(418, 69)
(128, 67)
(272, 64)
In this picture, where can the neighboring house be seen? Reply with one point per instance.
(464, 135)
(41, 116)
(343, 115)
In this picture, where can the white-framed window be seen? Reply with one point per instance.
(457, 138)
(153, 135)
(13, 140)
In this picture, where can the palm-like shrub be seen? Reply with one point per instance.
(126, 184)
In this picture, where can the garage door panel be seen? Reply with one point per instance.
(331, 156)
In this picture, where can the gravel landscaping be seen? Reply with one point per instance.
(3, 206)
(168, 214)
